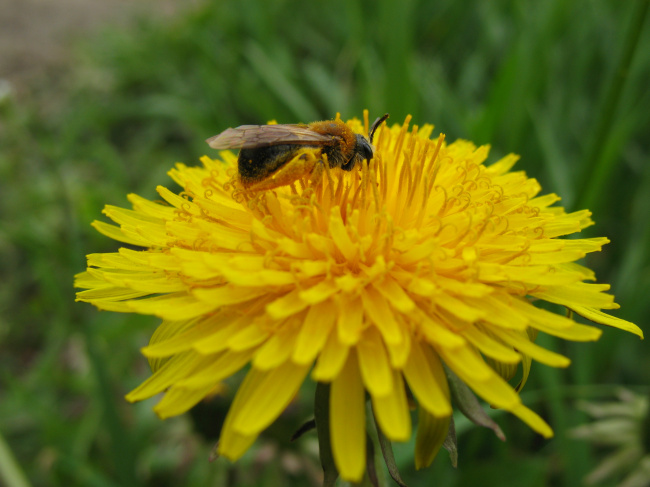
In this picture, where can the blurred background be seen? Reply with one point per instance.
(100, 99)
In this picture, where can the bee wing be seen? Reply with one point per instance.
(251, 136)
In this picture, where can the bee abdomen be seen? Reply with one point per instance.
(260, 162)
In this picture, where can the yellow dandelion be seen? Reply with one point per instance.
(377, 280)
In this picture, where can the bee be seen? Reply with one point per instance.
(270, 157)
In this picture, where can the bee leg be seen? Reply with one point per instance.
(300, 166)
(317, 173)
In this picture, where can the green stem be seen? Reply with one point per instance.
(322, 417)
(595, 167)
(387, 452)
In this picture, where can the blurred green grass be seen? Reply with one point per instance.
(534, 78)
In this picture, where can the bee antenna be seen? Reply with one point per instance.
(375, 126)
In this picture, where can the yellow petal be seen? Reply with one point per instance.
(349, 319)
(226, 295)
(117, 260)
(526, 363)
(579, 294)
(521, 342)
(399, 352)
(554, 324)
(176, 368)
(437, 332)
(148, 258)
(465, 361)
(431, 433)
(233, 444)
(533, 420)
(150, 208)
(373, 362)
(381, 315)
(178, 400)
(395, 295)
(275, 351)
(220, 367)
(287, 305)
(116, 233)
(503, 165)
(605, 319)
(273, 392)
(427, 380)
(313, 332)
(318, 293)
(106, 294)
(220, 338)
(176, 306)
(348, 421)
(459, 287)
(459, 308)
(251, 335)
(179, 336)
(149, 283)
(130, 217)
(178, 201)
(392, 411)
(542, 275)
(331, 359)
(261, 278)
(340, 235)
(501, 312)
(86, 280)
(490, 347)
(568, 223)
(558, 257)
(169, 329)
(218, 209)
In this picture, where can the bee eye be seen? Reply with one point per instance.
(364, 149)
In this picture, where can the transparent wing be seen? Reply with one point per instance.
(251, 136)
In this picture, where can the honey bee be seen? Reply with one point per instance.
(267, 158)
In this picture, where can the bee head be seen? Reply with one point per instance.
(364, 148)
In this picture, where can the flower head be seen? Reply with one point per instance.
(370, 279)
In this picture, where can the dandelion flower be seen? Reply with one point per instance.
(372, 281)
